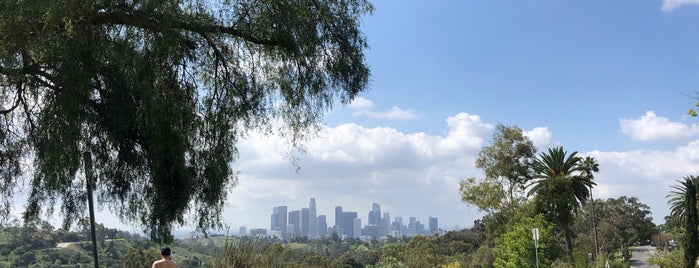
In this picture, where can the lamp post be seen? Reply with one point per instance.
(535, 235)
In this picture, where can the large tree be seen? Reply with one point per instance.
(506, 163)
(560, 190)
(159, 92)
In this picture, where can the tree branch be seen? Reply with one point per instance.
(160, 24)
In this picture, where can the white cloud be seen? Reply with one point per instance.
(670, 5)
(365, 106)
(541, 137)
(393, 113)
(361, 103)
(651, 127)
(409, 174)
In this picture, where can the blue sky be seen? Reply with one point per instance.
(610, 79)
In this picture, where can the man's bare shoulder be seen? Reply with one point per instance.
(164, 264)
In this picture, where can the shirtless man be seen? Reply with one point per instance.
(165, 259)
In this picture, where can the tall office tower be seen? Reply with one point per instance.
(385, 224)
(295, 220)
(278, 220)
(242, 231)
(313, 219)
(357, 227)
(434, 225)
(375, 214)
(397, 227)
(347, 223)
(305, 221)
(273, 219)
(322, 225)
(338, 215)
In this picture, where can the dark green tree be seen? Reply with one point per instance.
(560, 190)
(683, 207)
(159, 92)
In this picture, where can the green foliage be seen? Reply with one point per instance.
(506, 163)
(665, 259)
(159, 92)
(483, 258)
(516, 248)
(683, 206)
(560, 190)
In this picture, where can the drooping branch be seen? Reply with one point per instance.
(151, 22)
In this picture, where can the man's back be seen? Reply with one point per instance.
(164, 263)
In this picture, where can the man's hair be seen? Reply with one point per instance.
(165, 251)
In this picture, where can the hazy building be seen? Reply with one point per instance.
(347, 223)
(242, 231)
(313, 218)
(434, 225)
(338, 215)
(357, 227)
(305, 221)
(258, 232)
(375, 214)
(295, 220)
(385, 224)
(278, 220)
(322, 225)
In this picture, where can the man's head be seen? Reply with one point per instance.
(165, 251)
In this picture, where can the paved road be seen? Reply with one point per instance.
(640, 256)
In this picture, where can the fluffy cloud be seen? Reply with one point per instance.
(541, 137)
(408, 174)
(670, 5)
(365, 106)
(651, 127)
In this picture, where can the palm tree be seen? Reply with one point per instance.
(560, 189)
(588, 166)
(683, 207)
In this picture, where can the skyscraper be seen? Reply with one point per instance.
(347, 223)
(338, 216)
(434, 225)
(322, 226)
(312, 219)
(295, 221)
(305, 221)
(278, 220)
(375, 214)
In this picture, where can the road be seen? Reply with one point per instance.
(640, 256)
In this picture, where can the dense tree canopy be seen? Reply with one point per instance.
(159, 92)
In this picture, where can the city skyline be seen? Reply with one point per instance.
(306, 222)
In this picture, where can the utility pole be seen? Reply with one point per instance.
(87, 158)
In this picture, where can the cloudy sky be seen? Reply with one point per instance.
(609, 79)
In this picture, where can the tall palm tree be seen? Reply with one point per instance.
(560, 189)
(588, 166)
(683, 207)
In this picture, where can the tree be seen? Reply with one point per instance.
(560, 190)
(683, 207)
(517, 246)
(159, 92)
(589, 166)
(506, 163)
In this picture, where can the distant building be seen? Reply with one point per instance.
(322, 225)
(313, 219)
(295, 220)
(434, 225)
(357, 227)
(347, 223)
(242, 231)
(305, 221)
(278, 220)
(258, 232)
